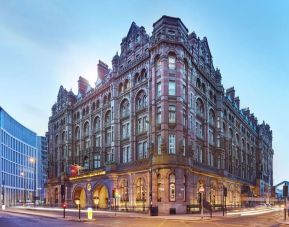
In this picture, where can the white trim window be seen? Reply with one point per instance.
(172, 114)
(126, 154)
(172, 88)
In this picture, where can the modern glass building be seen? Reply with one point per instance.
(18, 150)
(42, 167)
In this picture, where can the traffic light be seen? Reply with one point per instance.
(225, 192)
(113, 193)
(285, 190)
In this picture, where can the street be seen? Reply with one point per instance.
(9, 219)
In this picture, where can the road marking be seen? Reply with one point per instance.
(163, 222)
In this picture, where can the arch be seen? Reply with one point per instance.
(124, 190)
(56, 139)
(79, 193)
(140, 189)
(200, 107)
(204, 88)
(231, 134)
(198, 83)
(136, 76)
(56, 196)
(93, 106)
(141, 100)
(104, 100)
(63, 137)
(211, 117)
(97, 104)
(126, 84)
(124, 108)
(120, 88)
(100, 196)
(86, 129)
(107, 117)
(77, 132)
(96, 124)
(109, 97)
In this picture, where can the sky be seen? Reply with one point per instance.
(45, 44)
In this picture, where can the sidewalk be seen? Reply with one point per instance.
(72, 214)
(58, 213)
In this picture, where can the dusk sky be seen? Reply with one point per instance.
(45, 44)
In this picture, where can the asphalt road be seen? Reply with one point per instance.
(27, 220)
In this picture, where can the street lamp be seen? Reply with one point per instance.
(96, 201)
(33, 162)
(77, 202)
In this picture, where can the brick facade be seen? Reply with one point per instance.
(159, 121)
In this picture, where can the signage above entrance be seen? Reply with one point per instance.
(91, 174)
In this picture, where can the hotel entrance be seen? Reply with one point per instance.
(79, 193)
(100, 197)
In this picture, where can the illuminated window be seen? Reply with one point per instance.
(172, 187)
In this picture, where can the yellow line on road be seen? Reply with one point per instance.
(163, 222)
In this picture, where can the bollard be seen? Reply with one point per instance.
(89, 213)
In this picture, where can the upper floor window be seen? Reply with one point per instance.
(107, 118)
(126, 154)
(96, 124)
(172, 88)
(211, 117)
(172, 144)
(159, 144)
(142, 150)
(199, 129)
(172, 114)
(159, 115)
(141, 101)
(129, 44)
(125, 129)
(159, 91)
(77, 133)
(86, 129)
(124, 108)
(142, 124)
(172, 62)
(200, 107)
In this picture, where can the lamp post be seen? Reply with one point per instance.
(77, 202)
(96, 201)
(33, 162)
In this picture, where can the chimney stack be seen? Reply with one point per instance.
(102, 69)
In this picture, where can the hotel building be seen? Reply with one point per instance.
(155, 129)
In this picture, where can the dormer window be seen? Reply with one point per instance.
(129, 45)
(137, 40)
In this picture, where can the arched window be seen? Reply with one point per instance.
(157, 66)
(63, 137)
(104, 100)
(198, 83)
(200, 107)
(231, 135)
(86, 129)
(140, 192)
(96, 124)
(124, 108)
(77, 133)
(126, 84)
(136, 77)
(172, 187)
(203, 87)
(97, 104)
(93, 106)
(211, 117)
(109, 97)
(120, 88)
(107, 119)
(141, 100)
(124, 190)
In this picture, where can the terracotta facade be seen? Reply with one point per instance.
(156, 127)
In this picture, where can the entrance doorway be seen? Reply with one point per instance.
(100, 197)
(79, 193)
